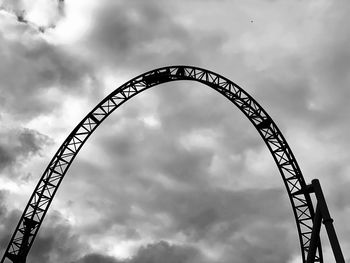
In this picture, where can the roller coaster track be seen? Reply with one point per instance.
(298, 191)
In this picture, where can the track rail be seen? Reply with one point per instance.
(39, 202)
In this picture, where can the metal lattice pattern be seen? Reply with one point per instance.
(45, 190)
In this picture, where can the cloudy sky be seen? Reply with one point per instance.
(177, 174)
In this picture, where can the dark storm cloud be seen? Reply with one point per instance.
(153, 253)
(140, 34)
(56, 241)
(18, 145)
(31, 68)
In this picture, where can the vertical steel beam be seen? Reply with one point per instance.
(328, 222)
(315, 236)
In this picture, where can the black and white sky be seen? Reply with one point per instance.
(177, 174)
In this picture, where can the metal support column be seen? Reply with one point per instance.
(315, 236)
(322, 213)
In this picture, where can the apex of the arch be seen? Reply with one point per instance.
(180, 71)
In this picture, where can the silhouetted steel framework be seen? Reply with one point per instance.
(307, 221)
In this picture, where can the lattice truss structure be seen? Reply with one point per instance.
(46, 188)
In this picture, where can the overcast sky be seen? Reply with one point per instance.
(177, 174)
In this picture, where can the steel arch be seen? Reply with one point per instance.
(37, 207)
